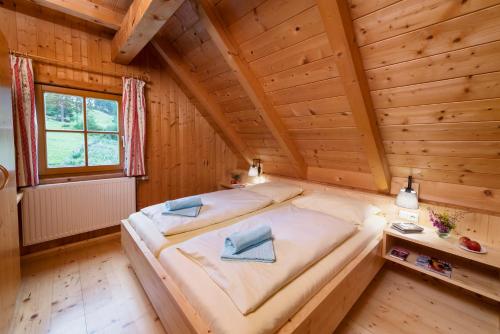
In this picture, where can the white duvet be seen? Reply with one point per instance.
(301, 238)
(218, 206)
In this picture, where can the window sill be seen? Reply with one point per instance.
(66, 179)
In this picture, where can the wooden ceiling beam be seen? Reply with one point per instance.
(85, 10)
(143, 20)
(338, 26)
(203, 99)
(231, 53)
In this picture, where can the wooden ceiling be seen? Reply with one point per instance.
(431, 71)
(287, 50)
(422, 77)
(120, 6)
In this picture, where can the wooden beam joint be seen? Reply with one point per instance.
(338, 26)
(143, 20)
(85, 10)
(231, 53)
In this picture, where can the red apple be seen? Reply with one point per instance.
(463, 241)
(474, 245)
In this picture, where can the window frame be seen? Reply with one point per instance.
(44, 170)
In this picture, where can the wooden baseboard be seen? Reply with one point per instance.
(74, 241)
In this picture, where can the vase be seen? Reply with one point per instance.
(443, 235)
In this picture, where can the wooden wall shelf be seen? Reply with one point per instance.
(479, 273)
(429, 238)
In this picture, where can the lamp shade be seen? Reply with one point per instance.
(407, 199)
(253, 171)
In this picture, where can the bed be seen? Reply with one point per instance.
(225, 207)
(220, 313)
(352, 266)
(157, 241)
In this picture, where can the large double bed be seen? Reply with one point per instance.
(189, 298)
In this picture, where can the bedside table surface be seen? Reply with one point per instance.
(429, 238)
(228, 185)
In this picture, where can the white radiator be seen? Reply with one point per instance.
(59, 210)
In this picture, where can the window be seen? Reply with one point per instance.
(79, 131)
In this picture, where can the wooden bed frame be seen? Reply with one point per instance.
(321, 314)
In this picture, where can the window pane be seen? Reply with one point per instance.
(65, 149)
(63, 112)
(102, 115)
(104, 149)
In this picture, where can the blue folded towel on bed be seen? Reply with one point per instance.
(187, 212)
(264, 252)
(240, 241)
(183, 203)
(255, 244)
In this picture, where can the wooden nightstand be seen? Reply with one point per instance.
(479, 273)
(227, 185)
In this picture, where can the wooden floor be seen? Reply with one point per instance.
(86, 290)
(401, 301)
(93, 290)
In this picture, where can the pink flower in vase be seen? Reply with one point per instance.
(444, 222)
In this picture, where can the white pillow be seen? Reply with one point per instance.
(277, 191)
(343, 207)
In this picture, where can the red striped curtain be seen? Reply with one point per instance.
(26, 129)
(134, 125)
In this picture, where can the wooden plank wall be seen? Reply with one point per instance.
(431, 64)
(184, 155)
(285, 45)
(478, 226)
(431, 67)
(434, 76)
(287, 48)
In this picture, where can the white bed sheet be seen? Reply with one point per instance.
(300, 238)
(217, 206)
(156, 241)
(217, 309)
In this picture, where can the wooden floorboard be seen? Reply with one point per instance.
(92, 289)
(84, 290)
(399, 301)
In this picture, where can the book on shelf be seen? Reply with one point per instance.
(399, 253)
(404, 227)
(435, 265)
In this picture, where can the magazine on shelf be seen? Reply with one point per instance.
(399, 253)
(435, 265)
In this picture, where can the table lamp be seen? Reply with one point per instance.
(407, 197)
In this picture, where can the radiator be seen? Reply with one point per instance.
(59, 210)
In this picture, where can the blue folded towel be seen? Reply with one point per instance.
(255, 244)
(240, 241)
(264, 252)
(183, 203)
(187, 212)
